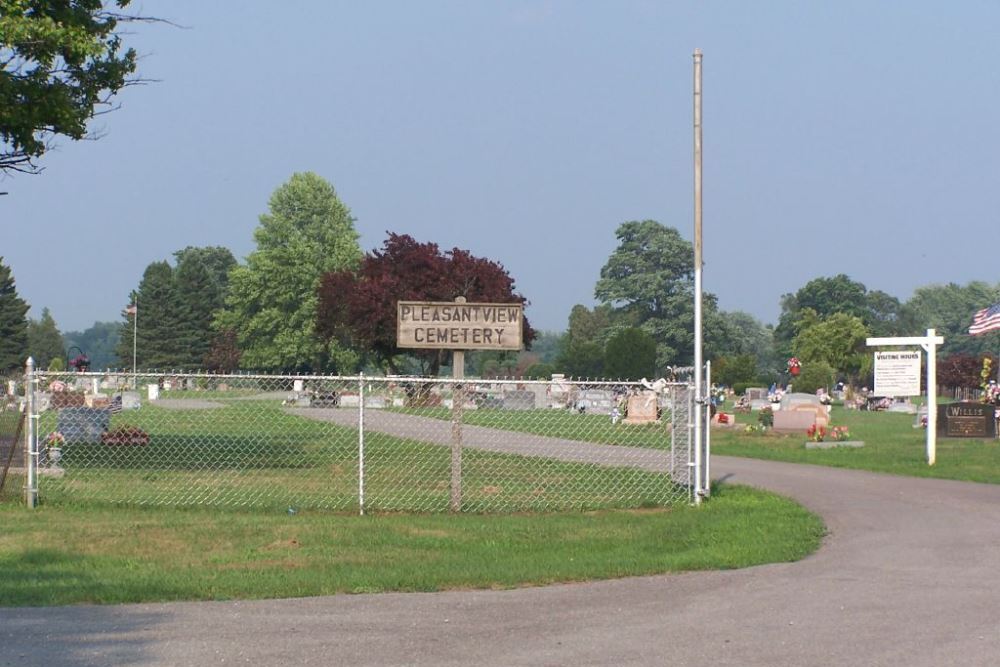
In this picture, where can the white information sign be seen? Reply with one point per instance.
(897, 373)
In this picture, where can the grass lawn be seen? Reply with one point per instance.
(74, 555)
(250, 453)
(892, 445)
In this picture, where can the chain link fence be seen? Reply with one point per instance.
(359, 443)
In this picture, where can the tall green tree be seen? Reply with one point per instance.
(157, 344)
(198, 298)
(881, 313)
(45, 343)
(13, 323)
(649, 282)
(63, 60)
(218, 261)
(838, 341)
(272, 300)
(630, 354)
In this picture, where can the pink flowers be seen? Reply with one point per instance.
(840, 433)
(816, 433)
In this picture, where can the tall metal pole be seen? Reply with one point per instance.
(698, 361)
(31, 437)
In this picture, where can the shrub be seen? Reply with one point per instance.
(766, 417)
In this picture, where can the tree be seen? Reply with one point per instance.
(218, 261)
(649, 282)
(581, 350)
(949, 310)
(198, 298)
(630, 354)
(737, 369)
(837, 341)
(881, 313)
(99, 342)
(63, 60)
(358, 308)
(13, 323)
(272, 300)
(45, 343)
(962, 370)
(157, 343)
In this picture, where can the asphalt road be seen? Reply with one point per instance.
(909, 575)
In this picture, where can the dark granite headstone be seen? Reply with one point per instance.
(83, 425)
(966, 420)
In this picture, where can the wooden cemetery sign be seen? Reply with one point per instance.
(449, 325)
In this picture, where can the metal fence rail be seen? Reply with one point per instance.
(359, 443)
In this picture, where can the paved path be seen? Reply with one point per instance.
(909, 575)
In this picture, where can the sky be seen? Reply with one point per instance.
(842, 137)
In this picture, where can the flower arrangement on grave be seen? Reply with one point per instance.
(794, 366)
(991, 394)
(57, 386)
(54, 439)
(840, 433)
(776, 396)
(816, 433)
(80, 363)
(125, 435)
(765, 418)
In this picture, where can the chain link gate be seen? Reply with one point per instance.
(357, 443)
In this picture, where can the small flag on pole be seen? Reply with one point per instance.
(985, 320)
(132, 310)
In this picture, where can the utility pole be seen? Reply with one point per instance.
(699, 389)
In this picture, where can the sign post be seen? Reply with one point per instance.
(458, 326)
(897, 375)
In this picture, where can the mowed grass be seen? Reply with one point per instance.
(892, 446)
(251, 453)
(76, 555)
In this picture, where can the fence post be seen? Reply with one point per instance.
(31, 437)
(706, 460)
(457, 401)
(361, 444)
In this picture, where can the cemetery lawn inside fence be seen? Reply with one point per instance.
(218, 456)
(892, 446)
(75, 555)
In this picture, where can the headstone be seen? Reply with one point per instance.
(67, 399)
(641, 408)
(11, 387)
(756, 394)
(759, 403)
(130, 400)
(83, 425)
(153, 392)
(298, 386)
(966, 420)
(43, 400)
(519, 400)
(820, 413)
(793, 421)
(97, 401)
(596, 401)
(788, 401)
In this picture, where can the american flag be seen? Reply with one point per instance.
(985, 320)
(116, 404)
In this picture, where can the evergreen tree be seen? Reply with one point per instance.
(13, 323)
(45, 343)
(158, 345)
(197, 296)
